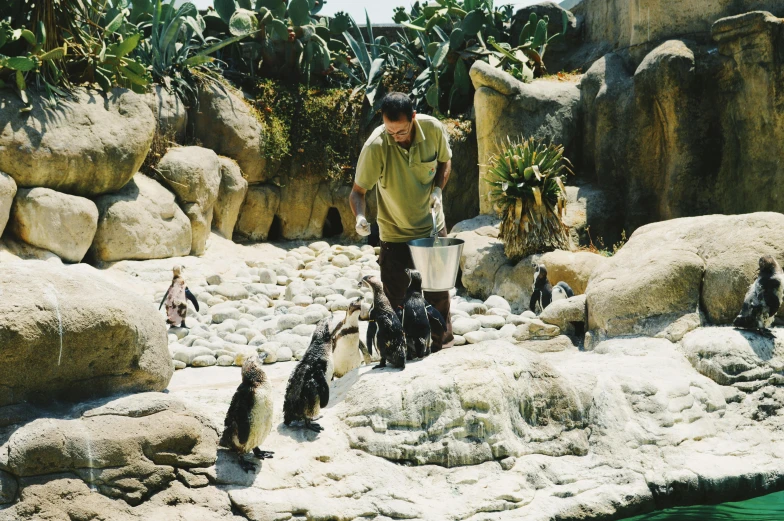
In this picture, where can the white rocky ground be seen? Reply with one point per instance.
(521, 427)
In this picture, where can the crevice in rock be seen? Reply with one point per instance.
(276, 230)
(333, 225)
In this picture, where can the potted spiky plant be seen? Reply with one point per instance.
(527, 191)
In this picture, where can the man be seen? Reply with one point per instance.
(408, 158)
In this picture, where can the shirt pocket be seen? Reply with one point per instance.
(425, 171)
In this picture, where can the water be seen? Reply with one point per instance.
(764, 508)
(51, 296)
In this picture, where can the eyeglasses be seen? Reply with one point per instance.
(402, 132)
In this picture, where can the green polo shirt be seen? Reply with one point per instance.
(404, 178)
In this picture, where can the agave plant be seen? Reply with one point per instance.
(527, 190)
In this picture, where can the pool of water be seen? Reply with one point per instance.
(764, 508)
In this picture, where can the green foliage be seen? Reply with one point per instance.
(318, 127)
(527, 190)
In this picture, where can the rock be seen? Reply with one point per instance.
(112, 340)
(474, 337)
(231, 195)
(472, 308)
(492, 321)
(258, 212)
(284, 354)
(671, 269)
(224, 122)
(170, 113)
(204, 361)
(289, 321)
(461, 326)
(729, 356)
(563, 313)
(494, 301)
(215, 279)
(36, 210)
(267, 276)
(379, 414)
(129, 453)
(535, 330)
(613, 22)
(194, 175)
(178, 364)
(7, 193)
(236, 339)
(459, 340)
(270, 350)
(231, 291)
(483, 254)
(341, 261)
(141, 221)
(224, 313)
(90, 144)
(8, 488)
(505, 106)
(192, 480)
(318, 246)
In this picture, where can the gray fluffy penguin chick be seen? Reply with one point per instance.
(414, 319)
(308, 388)
(249, 418)
(763, 298)
(348, 351)
(389, 338)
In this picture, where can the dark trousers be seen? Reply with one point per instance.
(394, 258)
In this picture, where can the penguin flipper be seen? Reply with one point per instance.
(434, 313)
(238, 416)
(192, 298)
(534, 300)
(365, 353)
(771, 297)
(164, 298)
(322, 386)
(371, 334)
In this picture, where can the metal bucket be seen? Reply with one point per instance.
(437, 264)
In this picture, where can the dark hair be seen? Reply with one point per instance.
(396, 104)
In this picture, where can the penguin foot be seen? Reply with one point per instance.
(246, 465)
(313, 426)
(262, 454)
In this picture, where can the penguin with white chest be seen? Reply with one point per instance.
(763, 298)
(414, 318)
(175, 299)
(307, 390)
(388, 335)
(544, 293)
(249, 418)
(348, 351)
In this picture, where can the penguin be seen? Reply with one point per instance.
(249, 418)
(542, 290)
(176, 306)
(348, 351)
(388, 335)
(414, 319)
(763, 298)
(437, 326)
(562, 291)
(308, 388)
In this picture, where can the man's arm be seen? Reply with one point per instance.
(442, 174)
(357, 200)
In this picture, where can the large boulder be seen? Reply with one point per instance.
(461, 194)
(89, 144)
(67, 333)
(729, 356)
(7, 193)
(751, 108)
(674, 269)
(257, 213)
(543, 109)
(141, 221)
(481, 403)
(226, 123)
(61, 223)
(231, 195)
(623, 23)
(128, 448)
(170, 113)
(483, 254)
(194, 174)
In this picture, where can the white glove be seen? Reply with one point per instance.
(363, 227)
(435, 199)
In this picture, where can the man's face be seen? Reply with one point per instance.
(401, 130)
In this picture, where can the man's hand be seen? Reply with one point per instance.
(363, 227)
(435, 199)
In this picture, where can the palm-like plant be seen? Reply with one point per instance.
(527, 190)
